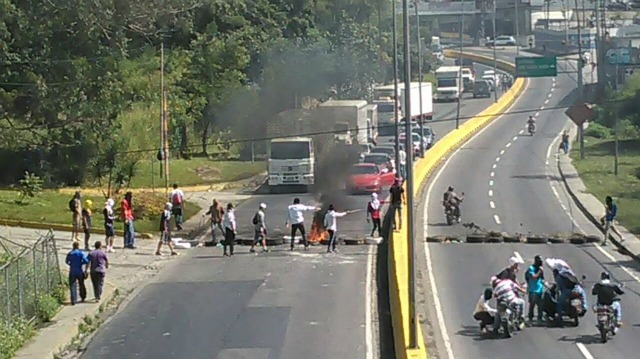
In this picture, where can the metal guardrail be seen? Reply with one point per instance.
(27, 275)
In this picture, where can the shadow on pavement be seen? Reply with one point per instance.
(584, 339)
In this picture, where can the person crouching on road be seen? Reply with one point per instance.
(373, 211)
(483, 311)
(296, 220)
(230, 229)
(165, 230)
(331, 224)
(260, 229)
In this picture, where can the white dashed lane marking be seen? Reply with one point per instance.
(492, 205)
(496, 218)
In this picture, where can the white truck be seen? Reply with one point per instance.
(421, 108)
(291, 161)
(449, 86)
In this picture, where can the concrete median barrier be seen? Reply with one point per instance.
(423, 169)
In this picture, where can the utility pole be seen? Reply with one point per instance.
(395, 84)
(615, 128)
(580, 87)
(517, 29)
(460, 72)
(165, 126)
(413, 320)
(419, 41)
(495, 70)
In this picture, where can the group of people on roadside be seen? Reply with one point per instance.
(547, 299)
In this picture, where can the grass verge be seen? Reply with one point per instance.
(52, 207)
(597, 173)
(196, 171)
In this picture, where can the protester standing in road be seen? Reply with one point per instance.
(86, 222)
(75, 206)
(397, 199)
(127, 216)
(98, 264)
(331, 225)
(535, 287)
(109, 217)
(373, 211)
(260, 229)
(76, 260)
(610, 215)
(216, 212)
(296, 220)
(230, 229)
(165, 230)
(176, 198)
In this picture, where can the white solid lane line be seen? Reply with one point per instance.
(608, 255)
(496, 218)
(584, 351)
(517, 255)
(367, 302)
(492, 205)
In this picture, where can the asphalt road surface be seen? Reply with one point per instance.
(282, 304)
(511, 184)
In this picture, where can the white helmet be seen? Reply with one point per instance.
(515, 260)
(168, 206)
(263, 205)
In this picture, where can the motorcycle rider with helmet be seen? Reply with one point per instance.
(504, 290)
(531, 122)
(450, 199)
(607, 294)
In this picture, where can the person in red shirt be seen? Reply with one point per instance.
(373, 211)
(127, 216)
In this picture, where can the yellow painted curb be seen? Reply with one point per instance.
(423, 168)
(60, 227)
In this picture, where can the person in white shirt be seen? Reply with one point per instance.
(296, 220)
(331, 225)
(483, 311)
(176, 198)
(230, 229)
(402, 160)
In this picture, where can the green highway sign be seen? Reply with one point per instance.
(536, 66)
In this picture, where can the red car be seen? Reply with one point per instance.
(368, 178)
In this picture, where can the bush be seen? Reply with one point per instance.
(59, 292)
(627, 130)
(30, 186)
(597, 130)
(47, 308)
(146, 205)
(13, 335)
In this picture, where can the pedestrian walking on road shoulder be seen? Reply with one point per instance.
(564, 143)
(177, 200)
(260, 229)
(230, 230)
(397, 199)
(402, 159)
(374, 212)
(331, 225)
(611, 211)
(98, 264)
(109, 229)
(75, 206)
(216, 212)
(127, 216)
(165, 230)
(296, 221)
(86, 222)
(77, 262)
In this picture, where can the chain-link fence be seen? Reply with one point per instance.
(30, 271)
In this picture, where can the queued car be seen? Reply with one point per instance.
(368, 178)
(379, 159)
(502, 40)
(386, 149)
(482, 88)
(428, 136)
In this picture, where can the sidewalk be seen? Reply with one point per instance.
(129, 269)
(593, 208)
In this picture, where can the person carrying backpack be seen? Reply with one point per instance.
(260, 229)
(176, 198)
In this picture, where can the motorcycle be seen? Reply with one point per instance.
(452, 213)
(510, 318)
(607, 322)
(573, 307)
(532, 128)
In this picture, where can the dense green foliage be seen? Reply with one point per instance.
(80, 80)
(620, 112)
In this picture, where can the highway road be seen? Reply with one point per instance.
(511, 184)
(277, 305)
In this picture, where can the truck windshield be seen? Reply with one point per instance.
(386, 108)
(290, 150)
(447, 82)
(386, 129)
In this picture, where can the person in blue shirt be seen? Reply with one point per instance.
(535, 287)
(78, 267)
(609, 217)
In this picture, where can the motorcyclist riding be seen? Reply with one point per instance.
(505, 291)
(451, 199)
(531, 122)
(607, 294)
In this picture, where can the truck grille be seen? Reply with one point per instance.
(290, 168)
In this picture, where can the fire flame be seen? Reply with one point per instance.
(318, 233)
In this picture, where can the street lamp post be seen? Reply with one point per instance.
(460, 71)
(413, 322)
(395, 84)
(419, 43)
(495, 71)
(517, 30)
